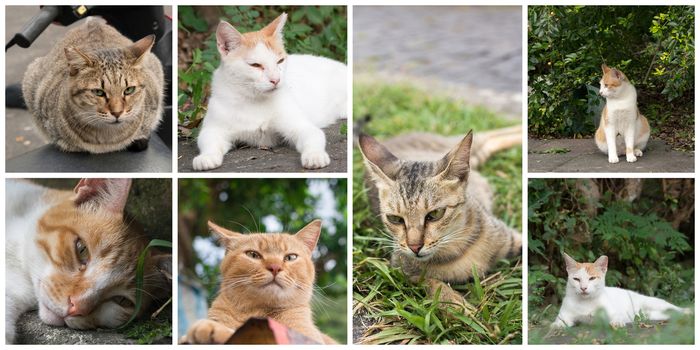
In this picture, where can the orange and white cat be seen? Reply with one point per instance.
(70, 254)
(261, 96)
(263, 275)
(586, 294)
(620, 117)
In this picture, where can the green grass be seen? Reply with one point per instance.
(678, 330)
(401, 312)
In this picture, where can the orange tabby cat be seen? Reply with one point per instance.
(264, 275)
(71, 255)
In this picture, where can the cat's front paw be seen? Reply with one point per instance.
(315, 159)
(613, 159)
(631, 158)
(207, 161)
(207, 332)
(638, 152)
(138, 145)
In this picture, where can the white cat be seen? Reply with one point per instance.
(620, 117)
(260, 94)
(586, 293)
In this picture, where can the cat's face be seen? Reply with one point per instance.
(613, 82)
(421, 203)
(256, 60)
(273, 269)
(586, 279)
(107, 86)
(89, 281)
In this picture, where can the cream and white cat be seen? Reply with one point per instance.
(620, 117)
(586, 294)
(261, 96)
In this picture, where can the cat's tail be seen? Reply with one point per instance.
(487, 143)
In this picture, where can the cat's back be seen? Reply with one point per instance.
(319, 85)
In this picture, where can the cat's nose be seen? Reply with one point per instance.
(117, 114)
(274, 81)
(73, 310)
(415, 248)
(583, 289)
(274, 268)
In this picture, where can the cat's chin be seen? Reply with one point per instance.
(49, 317)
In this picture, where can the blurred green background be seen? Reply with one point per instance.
(269, 205)
(316, 30)
(653, 45)
(646, 228)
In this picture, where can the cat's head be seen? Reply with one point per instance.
(586, 279)
(613, 83)
(107, 85)
(266, 268)
(89, 279)
(256, 60)
(421, 203)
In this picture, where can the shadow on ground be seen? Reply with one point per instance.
(280, 159)
(582, 155)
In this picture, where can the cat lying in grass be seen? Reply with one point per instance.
(586, 294)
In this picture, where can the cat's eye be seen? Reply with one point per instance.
(591, 279)
(81, 251)
(130, 90)
(123, 301)
(290, 257)
(253, 254)
(255, 65)
(396, 220)
(280, 61)
(99, 92)
(577, 279)
(435, 215)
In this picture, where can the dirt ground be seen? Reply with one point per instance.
(280, 159)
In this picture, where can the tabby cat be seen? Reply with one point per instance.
(263, 275)
(438, 211)
(586, 293)
(96, 91)
(70, 254)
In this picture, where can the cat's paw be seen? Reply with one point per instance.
(631, 158)
(315, 159)
(638, 152)
(207, 161)
(617, 324)
(138, 145)
(207, 332)
(613, 159)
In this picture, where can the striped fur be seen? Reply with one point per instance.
(96, 91)
(445, 249)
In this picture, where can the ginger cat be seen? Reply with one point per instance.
(437, 209)
(620, 117)
(264, 275)
(586, 293)
(70, 254)
(261, 97)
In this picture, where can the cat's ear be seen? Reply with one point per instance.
(570, 262)
(382, 164)
(618, 74)
(102, 194)
(456, 162)
(140, 49)
(223, 235)
(274, 29)
(309, 234)
(77, 60)
(227, 38)
(602, 263)
(163, 263)
(605, 68)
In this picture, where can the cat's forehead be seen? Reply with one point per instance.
(270, 242)
(415, 178)
(587, 269)
(609, 78)
(258, 42)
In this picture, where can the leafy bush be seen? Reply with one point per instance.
(653, 45)
(646, 253)
(317, 30)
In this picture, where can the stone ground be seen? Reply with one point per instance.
(279, 159)
(472, 52)
(32, 331)
(584, 156)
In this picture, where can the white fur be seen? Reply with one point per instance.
(622, 117)
(246, 107)
(584, 297)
